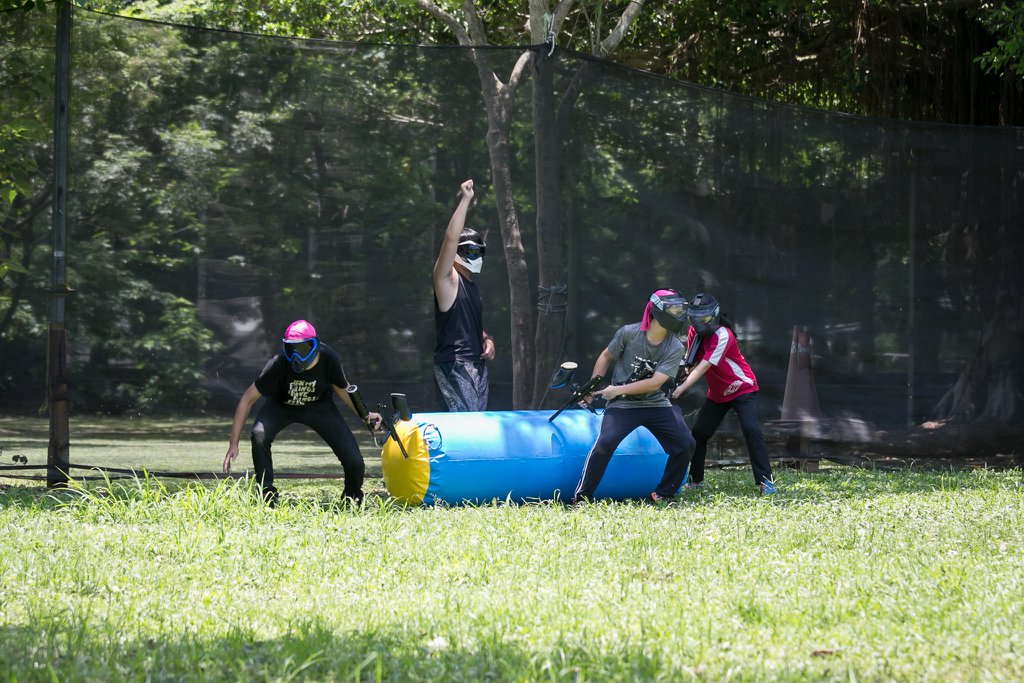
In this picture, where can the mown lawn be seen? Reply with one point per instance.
(845, 575)
(170, 445)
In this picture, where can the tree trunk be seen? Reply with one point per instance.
(547, 142)
(991, 384)
(515, 257)
(990, 387)
(499, 105)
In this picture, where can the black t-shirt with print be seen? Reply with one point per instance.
(280, 382)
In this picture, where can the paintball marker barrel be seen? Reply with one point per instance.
(361, 411)
(357, 401)
(692, 351)
(578, 393)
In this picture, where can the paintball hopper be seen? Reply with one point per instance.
(563, 375)
(400, 404)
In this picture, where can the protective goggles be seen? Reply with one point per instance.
(673, 305)
(300, 351)
(703, 316)
(471, 250)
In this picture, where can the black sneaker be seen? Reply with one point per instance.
(270, 497)
(657, 499)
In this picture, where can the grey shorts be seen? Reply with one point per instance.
(462, 386)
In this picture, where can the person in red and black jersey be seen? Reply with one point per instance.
(731, 385)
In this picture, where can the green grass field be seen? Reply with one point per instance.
(845, 575)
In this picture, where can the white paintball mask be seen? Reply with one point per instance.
(471, 255)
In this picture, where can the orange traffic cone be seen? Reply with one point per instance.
(800, 399)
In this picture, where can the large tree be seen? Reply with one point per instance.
(535, 341)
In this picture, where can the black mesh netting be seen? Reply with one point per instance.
(222, 185)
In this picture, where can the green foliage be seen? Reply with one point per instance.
(316, 174)
(23, 5)
(25, 135)
(394, 21)
(171, 358)
(893, 60)
(15, 176)
(1006, 22)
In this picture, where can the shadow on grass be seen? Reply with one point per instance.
(122, 430)
(66, 647)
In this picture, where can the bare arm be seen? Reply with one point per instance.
(644, 386)
(692, 378)
(603, 362)
(601, 365)
(446, 283)
(250, 396)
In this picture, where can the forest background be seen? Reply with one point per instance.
(949, 62)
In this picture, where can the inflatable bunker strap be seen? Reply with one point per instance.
(517, 455)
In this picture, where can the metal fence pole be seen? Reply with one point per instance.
(58, 455)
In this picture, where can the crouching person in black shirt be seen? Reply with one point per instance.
(298, 383)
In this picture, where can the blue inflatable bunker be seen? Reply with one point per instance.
(517, 455)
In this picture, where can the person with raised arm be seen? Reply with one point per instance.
(463, 347)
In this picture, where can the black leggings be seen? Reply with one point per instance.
(665, 423)
(710, 417)
(324, 419)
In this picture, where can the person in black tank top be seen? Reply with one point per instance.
(463, 347)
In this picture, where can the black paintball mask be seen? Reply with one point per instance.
(301, 353)
(704, 314)
(669, 309)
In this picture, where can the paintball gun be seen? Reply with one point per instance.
(690, 359)
(685, 365)
(400, 408)
(361, 411)
(564, 376)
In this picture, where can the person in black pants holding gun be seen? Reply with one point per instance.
(646, 355)
(298, 384)
(731, 386)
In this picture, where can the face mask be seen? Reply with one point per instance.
(300, 354)
(669, 311)
(473, 265)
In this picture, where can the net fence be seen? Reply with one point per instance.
(222, 185)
